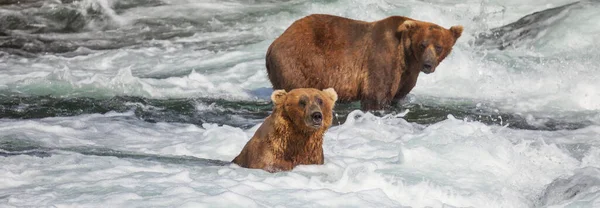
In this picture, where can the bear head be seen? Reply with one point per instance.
(308, 109)
(427, 43)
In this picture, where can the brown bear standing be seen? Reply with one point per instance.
(375, 62)
(293, 134)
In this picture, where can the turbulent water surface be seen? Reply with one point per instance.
(142, 103)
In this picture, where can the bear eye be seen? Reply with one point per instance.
(319, 101)
(302, 102)
(423, 45)
(438, 49)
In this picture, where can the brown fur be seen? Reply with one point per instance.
(287, 138)
(375, 62)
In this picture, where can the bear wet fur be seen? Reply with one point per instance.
(293, 134)
(376, 63)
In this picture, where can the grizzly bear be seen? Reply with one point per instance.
(293, 134)
(375, 62)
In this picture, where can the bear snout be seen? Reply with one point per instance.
(316, 119)
(429, 61)
(428, 67)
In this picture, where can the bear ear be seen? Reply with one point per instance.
(456, 31)
(406, 26)
(331, 94)
(278, 96)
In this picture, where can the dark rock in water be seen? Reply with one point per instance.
(9, 2)
(14, 147)
(65, 27)
(35, 45)
(168, 159)
(17, 52)
(563, 189)
(13, 21)
(525, 30)
(40, 43)
(127, 4)
(33, 153)
(67, 20)
(32, 46)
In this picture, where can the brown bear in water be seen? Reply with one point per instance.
(375, 62)
(293, 134)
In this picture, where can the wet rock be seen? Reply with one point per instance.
(14, 21)
(18, 52)
(64, 26)
(563, 189)
(524, 30)
(127, 4)
(72, 20)
(60, 19)
(10, 2)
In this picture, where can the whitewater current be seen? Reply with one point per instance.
(141, 103)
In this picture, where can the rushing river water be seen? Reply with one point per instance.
(141, 103)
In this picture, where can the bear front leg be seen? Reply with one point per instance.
(379, 88)
(373, 105)
(374, 101)
(405, 88)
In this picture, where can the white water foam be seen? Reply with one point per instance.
(370, 161)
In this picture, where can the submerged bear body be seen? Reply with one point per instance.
(293, 134)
